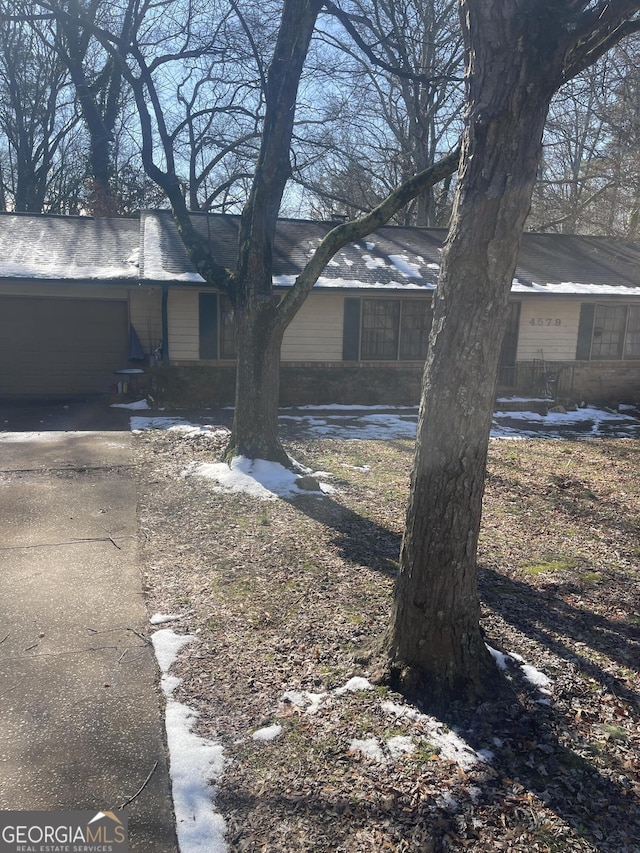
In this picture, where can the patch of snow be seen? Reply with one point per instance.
(573, 287)
(370, 748)
(354, 685)
(267, 733)
(136, 406)
(450, 746)
(447, 801)
(305, 701)
(167, 645)
(400, 745)
(163, 618)
(534, 676)
(152, 255)
(530, 673)
(499, 657)
(257, 477)
(486, 755)
(194, 762)
(156, 422)
(372, 263)
(350, 407)
(391, 750)
(176, 425)
(339, 283)
(405, 267)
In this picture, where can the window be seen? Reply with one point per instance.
(386, 329)
(609, 332)
(380, 330)
(632, 338)
(228, 344)
(217, 327)
(415, 325)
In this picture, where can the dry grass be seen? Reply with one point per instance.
(285, 595)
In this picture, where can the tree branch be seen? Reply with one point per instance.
(596, 31)
(347, 23)
(356, 229)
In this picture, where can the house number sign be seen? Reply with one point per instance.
(545, 321)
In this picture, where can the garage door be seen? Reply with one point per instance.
(60, 347)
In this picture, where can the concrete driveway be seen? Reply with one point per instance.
(80, 724)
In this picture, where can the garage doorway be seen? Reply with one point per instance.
(58, 347)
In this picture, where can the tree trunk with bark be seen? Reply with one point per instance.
(514, 60)
(255, 422)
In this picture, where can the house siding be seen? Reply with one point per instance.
(184, 342)
(548, 329)
(315, 333)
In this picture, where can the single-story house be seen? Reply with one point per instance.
(82, 299)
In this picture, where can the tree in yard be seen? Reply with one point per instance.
(37, 115)
(517, 56)
(588, 178)
(261, 315)
(400, 66)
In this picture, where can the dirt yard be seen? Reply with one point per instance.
(285, 595)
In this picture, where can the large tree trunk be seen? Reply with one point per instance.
(260, 331)
(435, 642)
(255, 424)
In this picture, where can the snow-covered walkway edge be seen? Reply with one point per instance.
(194, 762)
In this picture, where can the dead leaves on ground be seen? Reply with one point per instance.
(287, 598)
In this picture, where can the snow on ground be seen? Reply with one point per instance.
(135, 406)
(510, 659)
(193, 761)
(346, 422)
(257, 477)
(196, 762)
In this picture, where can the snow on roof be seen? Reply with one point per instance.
(393, 258)
(65, 248)
(163, 257)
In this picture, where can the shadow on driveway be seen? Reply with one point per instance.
(62, 415)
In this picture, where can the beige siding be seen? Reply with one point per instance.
(315, 334)
(182, 309)
(549, 329)
(145, 313)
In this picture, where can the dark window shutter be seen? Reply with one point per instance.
(208, 324)
(585, 331)
(351, 330)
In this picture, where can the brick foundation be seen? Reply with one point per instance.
(392, 384)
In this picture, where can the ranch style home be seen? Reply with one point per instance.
(84, 302)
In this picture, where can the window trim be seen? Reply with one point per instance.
(353, 328)
(587, 327)
(211, 338)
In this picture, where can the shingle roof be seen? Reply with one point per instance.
(41, 246)
(407, 258)
(392, 258)
(72, 248)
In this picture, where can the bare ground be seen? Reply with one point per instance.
(285, 595)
